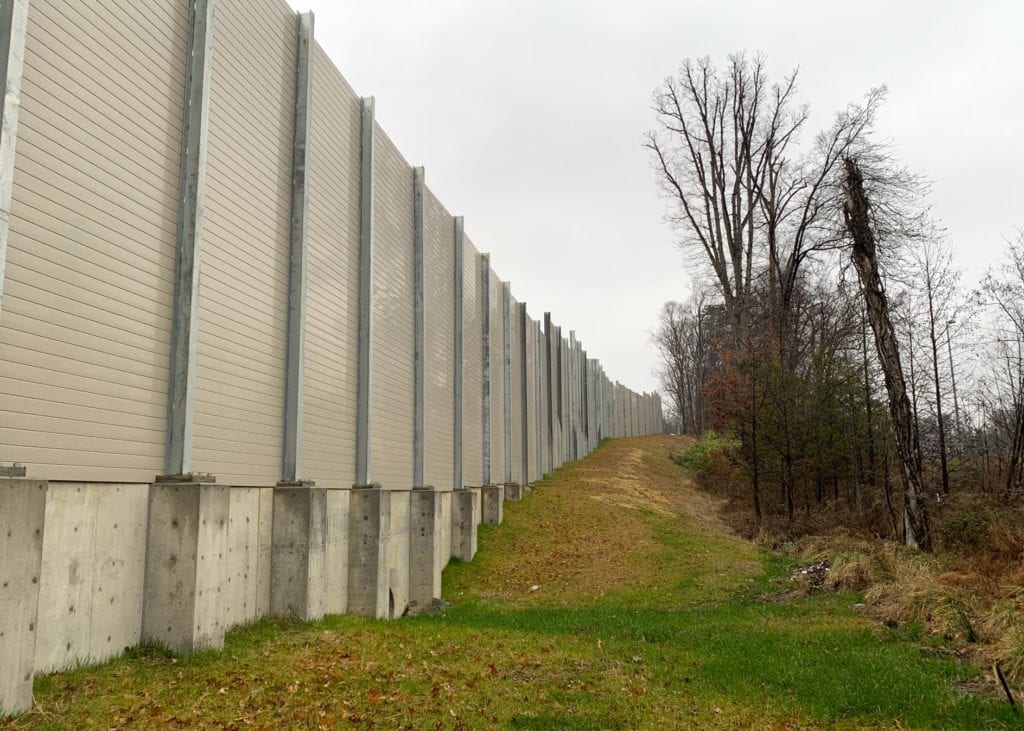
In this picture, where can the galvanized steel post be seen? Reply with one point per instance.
(524, 386)
(291, 467)
(538, 459)
(506, 317)
(188, 241)
(562, 423)
(365, 363)
(459, 374)
(13, 27)
(485, 320)
(419, 329)
(585, 390)
(549, 380)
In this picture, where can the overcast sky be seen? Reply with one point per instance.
(528, 116)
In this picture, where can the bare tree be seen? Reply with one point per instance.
(932, 278)
(1004, 286)
(708, 151)
(684, 337)
(860, 223)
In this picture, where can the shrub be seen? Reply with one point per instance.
(713, 452)
(965, 533)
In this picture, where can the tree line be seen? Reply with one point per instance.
(829, 332)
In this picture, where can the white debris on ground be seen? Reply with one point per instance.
(812, 577)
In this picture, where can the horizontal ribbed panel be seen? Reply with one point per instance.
(516, 386)
(85, 330)
(472, 383)
(531, 399)
(391, 391)
(497, 381)
(243, 300)
(439, 313)
(332, 280)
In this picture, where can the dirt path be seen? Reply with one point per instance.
(600, 526)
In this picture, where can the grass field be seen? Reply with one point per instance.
(610, 598)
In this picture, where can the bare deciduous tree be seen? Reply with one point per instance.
(684, 337)
(865, 257)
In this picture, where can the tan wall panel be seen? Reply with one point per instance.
(516, 383)
(545, 456)
(440, 342)
(332, 280)
(391, 392)
(497, 381)
(472, 375)
(531, 399)
(244, 286)
(87, 296)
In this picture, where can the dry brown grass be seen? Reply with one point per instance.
(969, 593)
(596, 532)
(975, 604)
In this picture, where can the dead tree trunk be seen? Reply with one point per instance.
(865, 259)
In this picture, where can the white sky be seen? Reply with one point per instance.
(528, 116)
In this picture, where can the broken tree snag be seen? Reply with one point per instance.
(864, 255)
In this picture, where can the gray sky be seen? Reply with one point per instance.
(528, 116)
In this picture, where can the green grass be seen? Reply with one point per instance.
(681, 636)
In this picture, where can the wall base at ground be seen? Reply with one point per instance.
(92, 569)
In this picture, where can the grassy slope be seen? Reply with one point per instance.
(647, 615)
